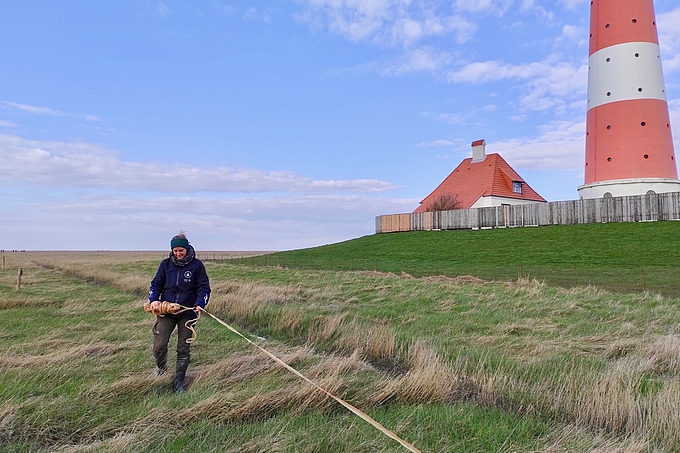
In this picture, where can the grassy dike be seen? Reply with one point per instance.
(449, 364)
(621, 257)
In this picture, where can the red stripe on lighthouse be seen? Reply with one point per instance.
(628, 133)
(632, 141)
(618, 21)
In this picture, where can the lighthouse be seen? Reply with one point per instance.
(629, 146)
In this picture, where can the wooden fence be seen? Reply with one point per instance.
(637, 208)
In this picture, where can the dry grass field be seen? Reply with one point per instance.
(449, 364)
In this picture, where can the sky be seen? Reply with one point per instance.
(279, 124)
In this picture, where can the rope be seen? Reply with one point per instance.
(170, 308)
(347, 405)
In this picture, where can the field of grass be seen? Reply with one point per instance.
(450, 364)
(621, 257)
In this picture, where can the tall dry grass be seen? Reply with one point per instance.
(635, 398)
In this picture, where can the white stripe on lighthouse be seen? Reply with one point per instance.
(625, 72)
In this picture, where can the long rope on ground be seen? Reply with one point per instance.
(347, 405)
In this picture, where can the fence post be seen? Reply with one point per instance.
(21, 271)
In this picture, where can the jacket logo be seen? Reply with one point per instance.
(187, 275)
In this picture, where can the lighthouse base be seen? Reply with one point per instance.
(628, 187)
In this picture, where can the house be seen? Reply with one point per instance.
(481, 181)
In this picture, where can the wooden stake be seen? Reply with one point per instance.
(21, 271)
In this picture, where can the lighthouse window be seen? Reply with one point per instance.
(609, 127)
(635, 21)
(637, 55)
(609, 159)
(609, 93)
(640, 90)
(646, 156)
(607, 26)
(642, 123)
(517, 186)
(608, 59)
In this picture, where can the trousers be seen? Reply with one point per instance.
(162, 330)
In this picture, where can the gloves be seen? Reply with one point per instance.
(154, 307)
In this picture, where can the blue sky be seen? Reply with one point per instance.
(279, 124)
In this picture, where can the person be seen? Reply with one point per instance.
(181, 278)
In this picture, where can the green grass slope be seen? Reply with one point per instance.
(621, 257)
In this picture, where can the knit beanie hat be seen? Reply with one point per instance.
(180, 240)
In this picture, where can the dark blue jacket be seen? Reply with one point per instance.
(188, 286)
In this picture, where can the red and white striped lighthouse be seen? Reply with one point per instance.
(629, 146)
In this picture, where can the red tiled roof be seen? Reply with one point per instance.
(491, 177)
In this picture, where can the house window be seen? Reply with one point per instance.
(517, 186)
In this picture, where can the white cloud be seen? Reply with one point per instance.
(450, 118)
(423, 59)
(547, 84)
(8, 124)
(344, 208)
(439, 142)
(115, 222)
(573, 35)
(85, 189)
(674, 112)
(559, 146)
(495, 7)
(408, 30)
(92, 166)
(493, 71)
(398, 22)
(46, 111)
(353, 19)
(250, 14)
(163, 9)
(669, 40)
(573, 4)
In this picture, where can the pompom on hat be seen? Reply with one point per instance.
(180, 240)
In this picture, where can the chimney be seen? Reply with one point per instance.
(478, 150)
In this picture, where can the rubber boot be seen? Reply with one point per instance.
(180, 373)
